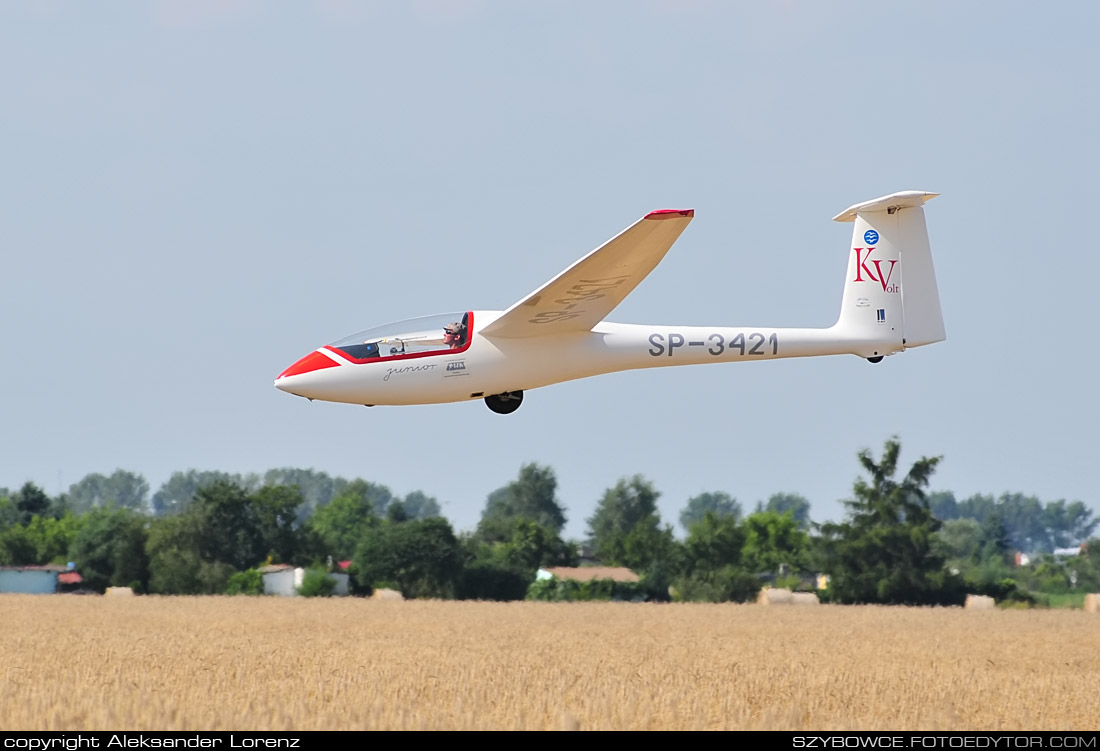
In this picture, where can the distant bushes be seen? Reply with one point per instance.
(568, 590)
(317, 583)
(250, 582)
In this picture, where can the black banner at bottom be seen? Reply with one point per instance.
(226, 740)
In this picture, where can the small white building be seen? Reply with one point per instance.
(30, 580)
(284, 580)
(587, 573)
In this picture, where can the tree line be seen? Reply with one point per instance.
(201, 532)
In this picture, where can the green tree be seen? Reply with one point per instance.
(175, 495)
(122, 489)
(421, 557)
(722, 504)
(420, 506)
(17, 548)
(883, 553)
(781, 503)
(618, 512)
(503, 569)
(995, 545)
(316, 487)
(224, 530)
(377, 496)
(713, 542)
(9, 514)
(1068, 524)
(30, 501)
(341, 524)
(532, 496)
(109, 550)
(275, 511)
(959, 541)
(229, 531)
(177, 565)
(774, 540)
(317, 583)
(250, 582)
(53, 538)
(1085, 567)
(712, 569)
(943, 505)
(649, 547)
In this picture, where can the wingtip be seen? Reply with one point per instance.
(670, 213)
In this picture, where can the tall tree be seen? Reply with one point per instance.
(781, 503)
(722, 504)
(421, 506)
(622, 508)
(178, 564)
(30, 501)
(773, 540)
(275, 513)
(532, 496)
(317, 487)
(422, 558)
(883, 553)
(175, 495)
(341, 524)
(109, 549)
(123, 489)
(960, 541)
(9, 514)
(712, 570)
(995, 547)
(943, 505)
(377, 496)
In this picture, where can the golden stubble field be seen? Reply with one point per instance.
(246, 663)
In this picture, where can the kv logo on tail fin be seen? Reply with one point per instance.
(883, 279)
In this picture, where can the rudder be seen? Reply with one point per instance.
(891, 301)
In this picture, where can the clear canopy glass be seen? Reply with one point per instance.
(415, 336)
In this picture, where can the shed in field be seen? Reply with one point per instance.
(32, 580)
(284, 580)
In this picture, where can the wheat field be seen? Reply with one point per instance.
(263, 663)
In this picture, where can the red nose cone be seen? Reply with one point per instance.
(311, 362)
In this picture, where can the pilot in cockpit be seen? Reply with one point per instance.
(454, 334)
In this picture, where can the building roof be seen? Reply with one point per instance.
(274, 568)
(69, 577)
(588, 573)
(50, 567)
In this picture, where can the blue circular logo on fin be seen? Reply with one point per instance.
(870, 237)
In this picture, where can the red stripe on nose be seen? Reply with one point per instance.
(311, 362)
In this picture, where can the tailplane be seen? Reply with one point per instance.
(891, 302)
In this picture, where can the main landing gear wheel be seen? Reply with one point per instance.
(875, 359)
(506, 403)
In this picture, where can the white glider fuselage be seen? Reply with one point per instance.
(493, 365)
(558, 333)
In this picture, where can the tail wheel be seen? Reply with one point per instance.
(506, 403)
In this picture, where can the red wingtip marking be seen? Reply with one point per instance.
(670, 213)
(311, 362)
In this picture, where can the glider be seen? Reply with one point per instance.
(558, 332)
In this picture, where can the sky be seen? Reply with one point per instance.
(196, 193)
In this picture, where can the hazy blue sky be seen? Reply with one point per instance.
(195, 194)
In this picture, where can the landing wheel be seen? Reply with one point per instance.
(875, 359)
(506, 403)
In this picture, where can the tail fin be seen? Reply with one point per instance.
(890, 301)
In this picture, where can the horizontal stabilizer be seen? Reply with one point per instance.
(891, 203)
